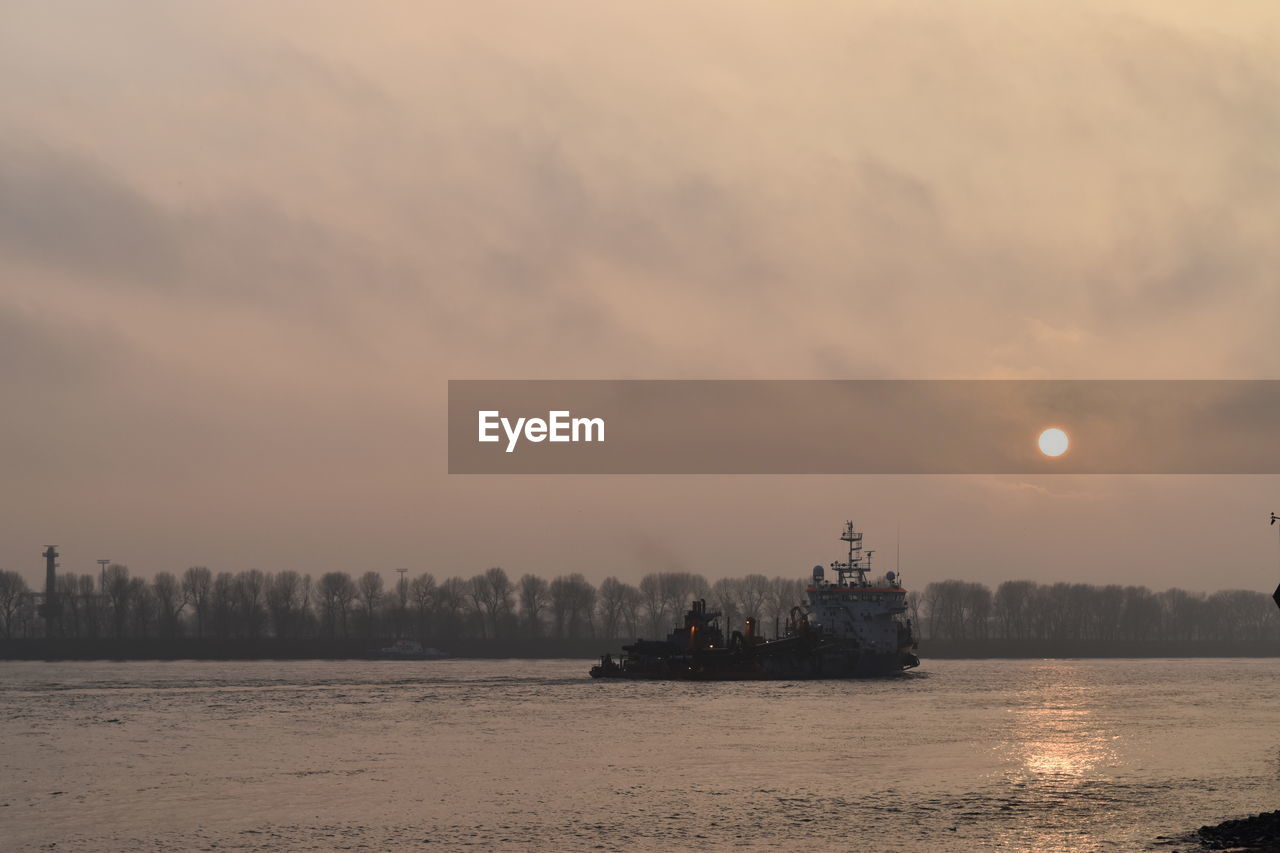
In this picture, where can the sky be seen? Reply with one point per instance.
(243, 249)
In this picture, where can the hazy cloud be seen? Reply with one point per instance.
(256, 242)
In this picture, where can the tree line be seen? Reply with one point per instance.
(252, 604)
(1025, 610)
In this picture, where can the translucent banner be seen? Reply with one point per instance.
(864, 426)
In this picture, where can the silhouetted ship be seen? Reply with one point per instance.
(409, 650)
(850, 628)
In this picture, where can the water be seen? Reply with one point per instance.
(961, 755)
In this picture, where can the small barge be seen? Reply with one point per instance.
(409, 650)
(849, 628)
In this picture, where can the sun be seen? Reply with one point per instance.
(1053, 442)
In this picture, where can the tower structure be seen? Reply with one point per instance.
(51, 609)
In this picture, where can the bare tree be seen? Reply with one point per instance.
(560, 593)
(348, 595)
(402, 603)
(337, 591)
(632, 601)
(1108, 610)
(726, 593)
(534, 596)
(478, 595)
(251, 589)
(12, 587)
(68, 590)
(285, 602)
(957, 610)
(369, 592)
(613, 600)
(653, 604)
(1239, 615)
(423, 592)
(117, 589)
(1012, 602)
(753, 596)
(197, 584)
(680, 588)
(582, 614)
(573, 603)
(170, 599)
(784, 593)
(222, 605)
(142, 607)
(306, 621)
(328, 601)
(492, 601)
(1141, 613)
(501, 601)
(451, 599)
(977, 610)
(1183, 615)
(91, 605)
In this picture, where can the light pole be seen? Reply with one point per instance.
(1276, 595)
(402, 593)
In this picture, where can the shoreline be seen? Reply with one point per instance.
(273, 648)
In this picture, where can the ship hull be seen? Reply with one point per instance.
(786, 662)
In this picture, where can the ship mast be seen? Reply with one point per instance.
(853, 566)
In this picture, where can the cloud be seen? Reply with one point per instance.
(263, 241)
(60, 209)
(68, 214)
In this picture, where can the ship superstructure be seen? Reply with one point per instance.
(852, 609)
(849, 627)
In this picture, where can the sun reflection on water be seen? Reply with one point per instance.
(1060, 760)
(1061, 741)
(1055, 732)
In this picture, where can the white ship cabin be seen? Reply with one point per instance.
(852, 607)
(893, 597)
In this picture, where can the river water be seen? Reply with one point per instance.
(1070, 755)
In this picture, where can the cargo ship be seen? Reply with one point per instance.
(850, 627)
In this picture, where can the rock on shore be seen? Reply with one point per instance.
(1258, 832)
